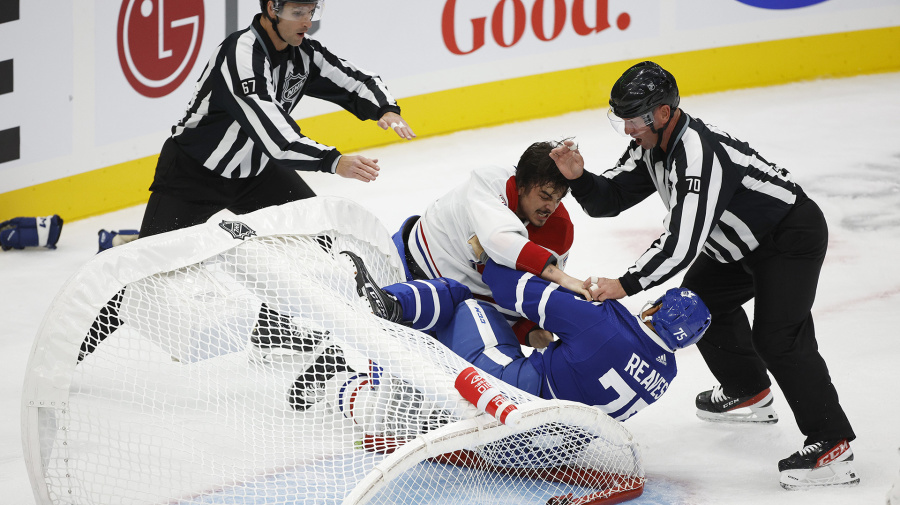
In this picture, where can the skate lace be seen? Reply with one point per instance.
(810, 449)
(718, 395)
(311, 391)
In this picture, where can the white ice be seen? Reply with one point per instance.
(839, 139)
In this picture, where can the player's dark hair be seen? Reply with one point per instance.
(536, 168)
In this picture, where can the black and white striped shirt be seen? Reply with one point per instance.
(238, 121)
(722, 198)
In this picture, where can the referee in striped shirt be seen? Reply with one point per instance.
(237, 146)
(748, 229)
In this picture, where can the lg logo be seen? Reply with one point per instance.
(158, 42)
(560, 17)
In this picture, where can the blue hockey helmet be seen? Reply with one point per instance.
(682, 319)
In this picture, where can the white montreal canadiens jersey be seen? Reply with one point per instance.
(484, 206)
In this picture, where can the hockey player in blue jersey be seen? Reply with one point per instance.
(605, 356)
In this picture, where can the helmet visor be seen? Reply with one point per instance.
(301, 11)
(626, 127)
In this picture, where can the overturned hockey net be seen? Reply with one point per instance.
(234, 362)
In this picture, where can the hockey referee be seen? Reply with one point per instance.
(237, 147)
(747, 231)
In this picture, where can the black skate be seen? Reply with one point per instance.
(277, 334)
(825, 463)
(715, 406)
(309, 387)
(383, 304)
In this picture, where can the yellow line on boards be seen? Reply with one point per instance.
(524, 98)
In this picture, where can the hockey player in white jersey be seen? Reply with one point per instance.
(514, 215)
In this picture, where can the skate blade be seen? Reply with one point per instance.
(264, 356)
(835, 474)
(260, 356)
(316, 340)
(739, 417)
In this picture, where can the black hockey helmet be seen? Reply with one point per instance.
(641, 88)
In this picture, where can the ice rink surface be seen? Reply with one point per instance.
(838, 138)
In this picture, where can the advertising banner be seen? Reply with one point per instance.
(115, 75)
(148, 56)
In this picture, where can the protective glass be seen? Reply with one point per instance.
(292, 11)
(633, 124)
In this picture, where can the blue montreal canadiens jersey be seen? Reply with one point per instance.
(604, 356)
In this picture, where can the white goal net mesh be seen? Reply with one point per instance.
(235, 363)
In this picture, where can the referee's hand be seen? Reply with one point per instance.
(393, 121)
(568, 160)
(357, 167)
(601, 288)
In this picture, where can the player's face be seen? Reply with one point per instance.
(294, 21)
(537, 203)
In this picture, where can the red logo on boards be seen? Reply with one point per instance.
(158, 43)
(509, 21)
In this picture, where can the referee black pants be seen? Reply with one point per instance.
(781, 275)
(185, 193)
